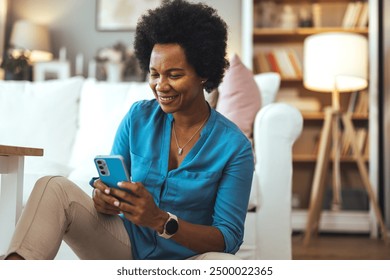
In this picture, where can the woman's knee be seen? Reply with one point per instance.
(58, 185)
(49, 181)
(43, 181)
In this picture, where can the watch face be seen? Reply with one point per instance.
(171, 227)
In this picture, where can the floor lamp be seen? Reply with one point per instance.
(336, 62)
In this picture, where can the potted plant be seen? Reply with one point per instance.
(16, 68)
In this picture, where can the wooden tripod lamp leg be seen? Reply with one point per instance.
(318, 187)
(350, 131)
(336, 179)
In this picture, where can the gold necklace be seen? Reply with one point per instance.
(180, 149)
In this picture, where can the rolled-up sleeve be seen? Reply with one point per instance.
(233, 196)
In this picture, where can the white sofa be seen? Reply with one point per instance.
(75, 119)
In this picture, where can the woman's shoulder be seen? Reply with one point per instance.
(144, 108)
(228, 128)
(143, 105)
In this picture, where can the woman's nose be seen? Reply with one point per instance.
(162, 85)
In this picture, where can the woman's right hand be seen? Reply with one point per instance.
(104, 202)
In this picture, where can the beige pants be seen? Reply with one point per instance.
(59, 210)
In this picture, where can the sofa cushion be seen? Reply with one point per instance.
(239, 96)
(102, 107)
(269, 84)
(42, 115)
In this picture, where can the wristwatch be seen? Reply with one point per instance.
(170, 227)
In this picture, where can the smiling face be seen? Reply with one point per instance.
(174, 82)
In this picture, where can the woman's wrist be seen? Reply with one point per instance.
(160, 220)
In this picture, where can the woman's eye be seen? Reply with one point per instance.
(175, 76)
(154, 75)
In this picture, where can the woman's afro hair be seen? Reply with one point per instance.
(197, 28)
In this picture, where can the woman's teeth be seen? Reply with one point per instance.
(167, 98)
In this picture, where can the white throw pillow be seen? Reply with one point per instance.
(42, 115)
(269, 84)
(102, 107)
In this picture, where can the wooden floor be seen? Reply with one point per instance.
(340, 247)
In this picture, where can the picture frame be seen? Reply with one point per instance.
(51, 70)
(121, 15)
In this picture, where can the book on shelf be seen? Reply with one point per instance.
(303, 104)
(345, 147)
(273, 63)
(283, 61)
(361, 139)
(363, 19)
(285, 66)
(352, 101)
(261, 63)
(348, 14)
(356, 15)
(346, 142)
(296, 63)
(358, 102)
(362, 103)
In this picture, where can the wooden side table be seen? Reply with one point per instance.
(11, 192)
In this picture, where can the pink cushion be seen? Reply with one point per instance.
(239, 97)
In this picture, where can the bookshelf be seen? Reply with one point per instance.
(297, 34)
(269, 38)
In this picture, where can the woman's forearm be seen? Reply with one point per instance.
(199, 238)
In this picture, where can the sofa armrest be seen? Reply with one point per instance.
(276, 128)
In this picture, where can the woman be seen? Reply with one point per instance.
(191, 168)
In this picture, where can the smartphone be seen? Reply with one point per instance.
(111, 169)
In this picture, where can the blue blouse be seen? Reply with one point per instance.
(210, 187)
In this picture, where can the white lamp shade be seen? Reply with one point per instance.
(335, 60)
(30, 36)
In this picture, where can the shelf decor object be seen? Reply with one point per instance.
(336, 62)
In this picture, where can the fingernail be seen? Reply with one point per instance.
(120, 184)
(116, 203)
(107, 191)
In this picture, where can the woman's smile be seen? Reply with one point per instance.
(165, 100)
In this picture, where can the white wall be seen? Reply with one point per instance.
(72, 24)
(230, 11)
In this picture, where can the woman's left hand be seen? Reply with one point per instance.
(138, 206)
